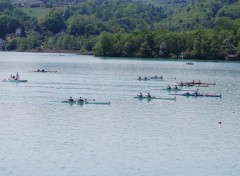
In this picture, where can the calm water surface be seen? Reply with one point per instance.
(41, 136)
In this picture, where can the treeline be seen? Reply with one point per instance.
(119, 29)
(198, 44)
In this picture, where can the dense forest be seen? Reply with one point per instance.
(197, 29)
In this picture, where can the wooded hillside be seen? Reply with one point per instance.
(151, 28)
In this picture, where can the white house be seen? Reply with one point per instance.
(2, 44)
(18, 31)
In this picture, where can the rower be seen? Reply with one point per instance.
(145, 78)
(80, 99)
(17, 76)
(169, 87)
(42, 70)
(71, 99)
(139, 78)
(161, 77)
(148, 95)
(140, 95)
(196, 92)
(176, 87)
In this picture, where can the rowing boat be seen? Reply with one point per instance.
(86, 102)
(156, 77)
(197, 95)
(44, 71)
(98, 102)
(207, 95)
(175, 90)
(70, 102)
(198, 83)
(158, 98)
(144, 79)
(184, 84)
(15, 81)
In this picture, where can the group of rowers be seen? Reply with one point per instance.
(145, 78)
(195, 93)
(78, 100)
(38, 70)
(15, 77)
(140, 78)
(189, 83)
(141, 95)
(170, 88)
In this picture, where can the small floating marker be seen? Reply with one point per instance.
(220, 123)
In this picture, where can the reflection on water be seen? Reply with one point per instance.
(42, 136)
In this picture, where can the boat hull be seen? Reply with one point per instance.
(156, 98)
(87, 102)
(197, 95)
(98, 102)
(15, 81)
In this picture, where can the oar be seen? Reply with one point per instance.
(88, 99)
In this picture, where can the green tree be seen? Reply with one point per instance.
(5, 5)
(54, 22)
(104, 45)
(8, 25)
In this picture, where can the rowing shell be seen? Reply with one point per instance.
(15, 81)
(86, 102)
(98, 102)
(198, 95)
(175, 90)
(198, 83)
(44, 71)
(158, 98)
(72, 102)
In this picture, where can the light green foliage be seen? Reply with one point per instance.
(36, 12)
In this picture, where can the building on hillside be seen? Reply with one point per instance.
(18, 31)
(2, 44)
(231, 57)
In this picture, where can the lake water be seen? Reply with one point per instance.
(41, 136)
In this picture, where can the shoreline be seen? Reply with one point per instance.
(53, 51)
(91, 54)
